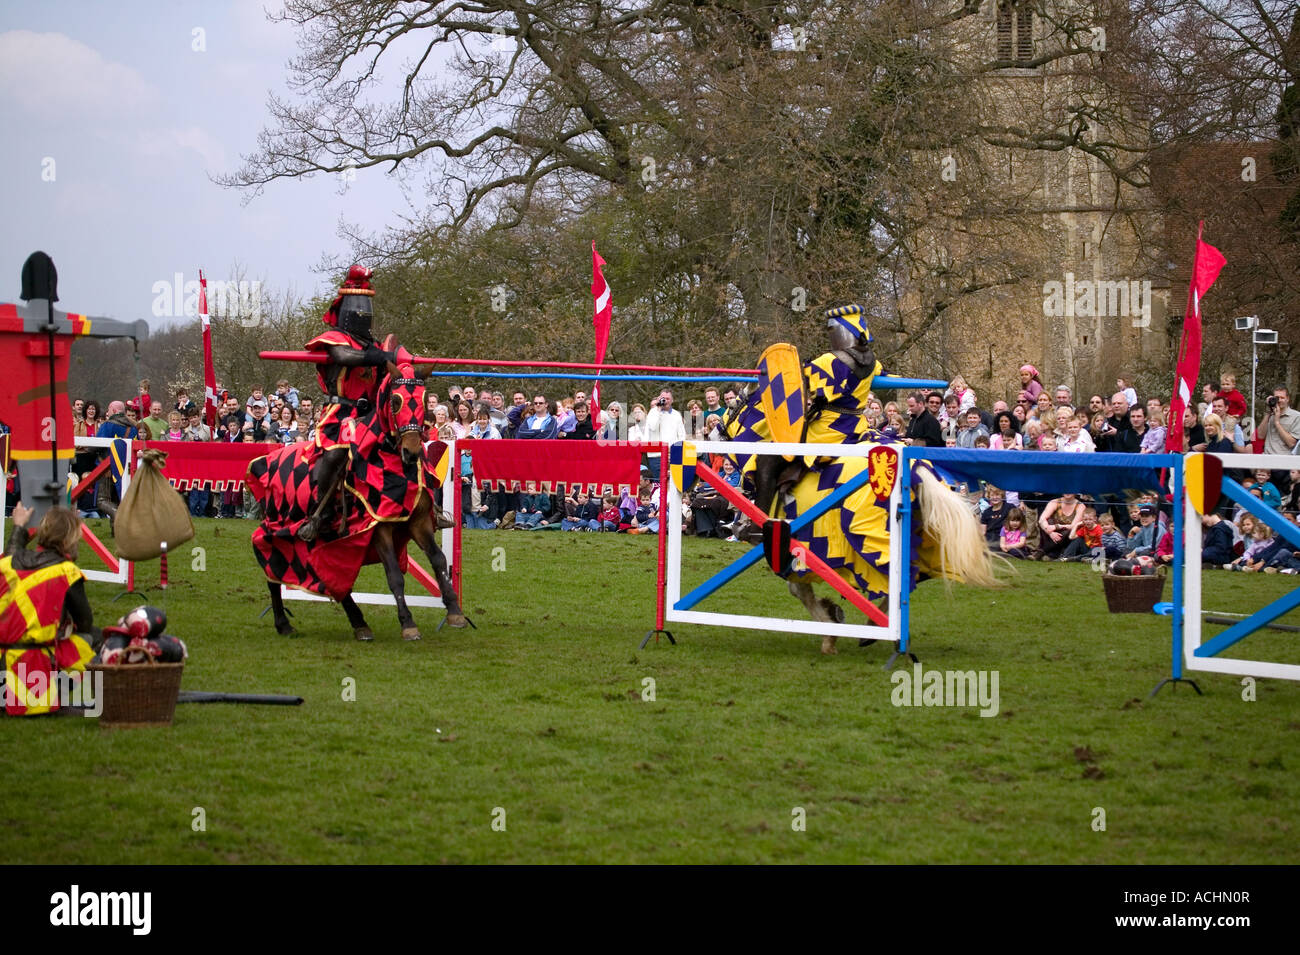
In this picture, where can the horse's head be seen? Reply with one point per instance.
(401, 410)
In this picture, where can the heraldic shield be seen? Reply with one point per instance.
(781, 394)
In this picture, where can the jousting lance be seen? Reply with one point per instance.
(601, 371)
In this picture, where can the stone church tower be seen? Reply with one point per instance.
(1080, 295)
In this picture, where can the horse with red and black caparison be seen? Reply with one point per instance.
(384, 503)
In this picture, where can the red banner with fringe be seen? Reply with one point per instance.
(599, 467)
(215, 465)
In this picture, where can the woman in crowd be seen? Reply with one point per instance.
(286, 426)
(87, 426)
(1215, 442)
(694, 420)
(1030, 382)
(894, 420)
(1058, 523)
(441, 428)
(1033, 431)
(175, 426)
(612, 418)
(464, 419)
(875, 414)
(637, 430)
(1005, 436)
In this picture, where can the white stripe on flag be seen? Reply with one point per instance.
(1184, 392)
(602, 301)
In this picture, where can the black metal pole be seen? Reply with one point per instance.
(54, 412)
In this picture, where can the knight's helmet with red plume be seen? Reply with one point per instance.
(352, 309)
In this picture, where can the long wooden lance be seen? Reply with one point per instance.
(681, 373)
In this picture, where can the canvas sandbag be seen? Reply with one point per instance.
(151, 513)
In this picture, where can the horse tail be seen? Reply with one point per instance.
(946, 518)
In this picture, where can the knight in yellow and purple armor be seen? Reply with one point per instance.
(837, 384)
(350, 379)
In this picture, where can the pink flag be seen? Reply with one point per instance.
(604, 314)
(209, 373)
(1207, 261)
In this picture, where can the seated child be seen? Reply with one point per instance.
(610, 517)
(1144, 537)
(995, 515)
(1261, 540)
(1112, 538)
(1012, 537)
(1216, 542)
(1085, 543)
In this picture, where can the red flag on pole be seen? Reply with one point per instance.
(603, 315)
(209, 373)
(1207, 261)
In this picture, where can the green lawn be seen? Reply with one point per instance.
(539, 712)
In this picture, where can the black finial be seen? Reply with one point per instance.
(40, 278)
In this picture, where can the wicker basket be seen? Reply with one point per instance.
(139, 694)
(1133, 594)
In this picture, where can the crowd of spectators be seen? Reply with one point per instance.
(1067, 527)
(1138, 528)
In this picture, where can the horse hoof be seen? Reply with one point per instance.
(456, 620)
(411, 633)
(828, 646)
(363, 634)
(286, 631)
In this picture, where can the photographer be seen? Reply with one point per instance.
(663, 425)
(1280, 427)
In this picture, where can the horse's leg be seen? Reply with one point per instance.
(358, 622)
(328, 472)
(282, 624)
(820, 609)
(424, 536)
(383, 541)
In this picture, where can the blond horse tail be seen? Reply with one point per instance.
(947, 520)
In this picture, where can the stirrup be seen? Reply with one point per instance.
(309, 529)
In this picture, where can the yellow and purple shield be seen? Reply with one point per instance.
(781, 392)
(681, 465)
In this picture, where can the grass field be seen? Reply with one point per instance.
(540, 713)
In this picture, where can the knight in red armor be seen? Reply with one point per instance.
(350, 380)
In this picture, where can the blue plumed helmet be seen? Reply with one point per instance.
(850, 317)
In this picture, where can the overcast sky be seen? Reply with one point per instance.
(114, 124)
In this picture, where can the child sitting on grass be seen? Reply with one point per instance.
(995, 515)
(1112, 538)
(610, 516)
(1085, 543)
(1012, 538)
(1251, 558)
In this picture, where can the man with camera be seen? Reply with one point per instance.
(663, 425)
(1280, 427)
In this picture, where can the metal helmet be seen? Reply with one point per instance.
(355, 314)
(851, 319)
